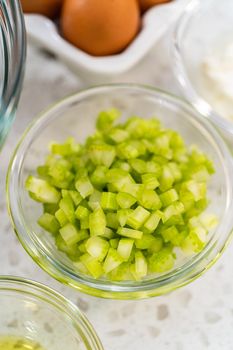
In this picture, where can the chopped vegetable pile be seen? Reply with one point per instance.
(121, 204)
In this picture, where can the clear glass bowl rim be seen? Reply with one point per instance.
(196, 266)
(14, 53)
(57, 301)
(191, 10)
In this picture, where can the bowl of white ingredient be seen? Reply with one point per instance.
(203, 56)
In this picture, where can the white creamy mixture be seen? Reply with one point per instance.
(218, 71)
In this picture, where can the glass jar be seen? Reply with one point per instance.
(12, 59)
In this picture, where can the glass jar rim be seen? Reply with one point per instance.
(181, 276)
(14, 55)
(39, 291)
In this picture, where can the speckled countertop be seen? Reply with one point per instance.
(199, 316)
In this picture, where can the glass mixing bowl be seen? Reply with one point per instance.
(204, 29)
(34, 312)
(12, 58)
(75, 116)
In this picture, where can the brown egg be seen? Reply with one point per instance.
(49, 8)
(100, 27)
(146, 4)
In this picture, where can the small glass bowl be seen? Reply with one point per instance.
(204, 29)
(75, 116)
(12, 59)
(35, 312)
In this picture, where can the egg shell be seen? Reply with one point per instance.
(100, 28)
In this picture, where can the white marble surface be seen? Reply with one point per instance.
(196, 317)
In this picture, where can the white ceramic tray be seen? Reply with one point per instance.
(156, 21)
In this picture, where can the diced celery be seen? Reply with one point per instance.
(121, 273)
(118, 135)
(169, 233)
(97, 222)
(194, 222)
(72, 251)
(133, 272)
(149, 199)
(175, 209)
(106, 119)
(61, 217)
(102, 154)
(112, 260)
(42, 191)
(93, 265)
(114, 243)
(132, 188)
(166, 179)
(49, 223)
(60, 173)
(200, 174)
(112, 220)
(175, 220)
(108, 201)
(97, 247)
(169, 197)
(161, 160)
(195, 241)
(150, 181)
(76, 197)
(98, 177)
(180, 155)
(177, 240)
(140, 128)
(125, 247)
(84, 223)
(161, 261)
(153, 167)
(122, 216)
(137, 218)
(82, 247)
(139, 165)
(129, 150)
(152, 222)
(111, 188)
(209, 221)
(69, 234)
(84, 187)
(162, 143)
(82, 234)
(108, 233)
(82, 212)
(50, 208)
(94, 200)
(130, 233)
(175, 169)
(69, 147)
(65, 193)
(145, 242)
(198, 189)
(125, 200)
(42, 171)
(66, 204)
(81, 171)
(119, 178)
(176, 140)
(156, 245)
(140, 264)
(122, 165)
(187, 199)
